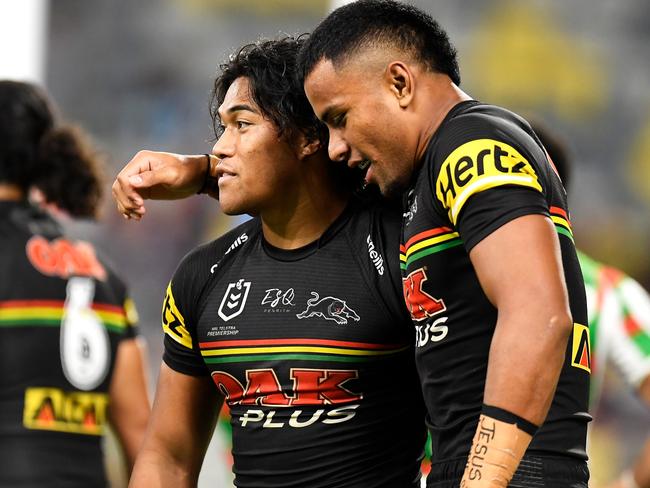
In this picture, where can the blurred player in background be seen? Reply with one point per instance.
(295, 318)
(69, 354)
(619, 322)
(490, 272)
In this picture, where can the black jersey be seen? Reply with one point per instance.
(62, 315)
(482, 168)
(313, 350)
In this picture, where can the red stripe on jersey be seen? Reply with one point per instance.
(287, 342)
(426, 234)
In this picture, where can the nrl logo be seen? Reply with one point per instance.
(234, 300)
(329, 308)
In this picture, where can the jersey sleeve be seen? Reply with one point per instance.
(131, 318)
(626, 319)
(488, 171)
(179, 312)
(124, 306)
(185, 298)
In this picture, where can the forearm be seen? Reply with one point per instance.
(156, 468)
(163, 176)
(129, 408)
(523, 370)
(182, 421)
(524, 367)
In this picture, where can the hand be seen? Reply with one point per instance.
(157, 176)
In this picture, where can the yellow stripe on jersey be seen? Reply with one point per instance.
(561, 221)
(477, 166)
(173, 322)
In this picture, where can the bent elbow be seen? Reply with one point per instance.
(562, 323)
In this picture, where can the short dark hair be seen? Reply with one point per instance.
(270, 67)
(557, 150)
(36, 152)
(369, 22)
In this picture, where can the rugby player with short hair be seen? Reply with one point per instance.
(70, 357)
(489, 267)
(619, 322)
(295, 318)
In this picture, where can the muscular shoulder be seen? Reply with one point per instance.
(204, 262)
(184, 294)
(480, 147)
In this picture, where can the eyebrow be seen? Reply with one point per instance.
(328, 114)
(240, 108)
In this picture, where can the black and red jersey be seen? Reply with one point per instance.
(63, 313)
(312, 349)
(483, 168)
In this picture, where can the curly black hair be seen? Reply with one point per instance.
(270, 67)
(36, 152)
(373, 22)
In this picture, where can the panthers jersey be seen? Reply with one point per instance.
(63, 314)
(483, 168)
(312, 349)
(619, 325)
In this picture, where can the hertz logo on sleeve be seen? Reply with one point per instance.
(479, 165)
(173, 322)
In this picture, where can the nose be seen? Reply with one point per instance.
(338, 149)
(224, 147)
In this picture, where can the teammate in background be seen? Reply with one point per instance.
(490, 271)
(295, 317)
(69, 355)
(619, 323)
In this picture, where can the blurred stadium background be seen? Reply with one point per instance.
(138, 75)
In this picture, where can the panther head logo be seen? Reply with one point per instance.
(329, 308)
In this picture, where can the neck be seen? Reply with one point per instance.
(9, 192)
(306, 210)
(445, 95)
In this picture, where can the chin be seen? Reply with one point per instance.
(393, 190)
(231, 208)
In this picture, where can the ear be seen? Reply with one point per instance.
(400, 82)
(305, 147)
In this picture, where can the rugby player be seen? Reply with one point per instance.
(619, 322)
(70, 359)
(489, 267)
(294, 318)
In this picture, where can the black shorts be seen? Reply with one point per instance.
(533, 472)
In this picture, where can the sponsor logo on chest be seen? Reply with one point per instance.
(412, 207)
(311, 388)
(375, 257)
(424, 309)
(277, 300)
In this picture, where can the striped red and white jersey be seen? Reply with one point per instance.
(619, 325)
